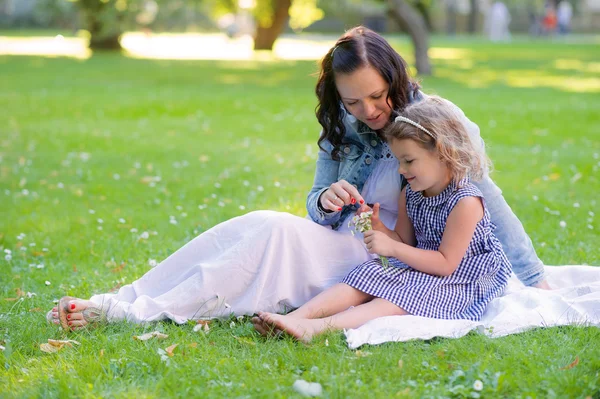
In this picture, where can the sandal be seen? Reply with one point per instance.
(92, 315)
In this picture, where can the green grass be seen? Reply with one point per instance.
(79, 141)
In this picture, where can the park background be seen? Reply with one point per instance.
(128, 127)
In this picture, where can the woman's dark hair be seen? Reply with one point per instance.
(357, 48)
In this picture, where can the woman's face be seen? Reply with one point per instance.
(364, 93)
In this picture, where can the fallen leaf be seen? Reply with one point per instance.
(400, 363)
(36, 310)
(54, 345)
(170, 349)
(554, 176)
(20, 294)
(101, 352)
(153, 334)
(203, 322)
(360, 353)
(118, 268)
(193, 345)
(573, 364)
(46, 347)
(56, 342)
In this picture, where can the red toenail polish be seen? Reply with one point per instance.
(353, 200)
(73, 306)
(68, 316)
(362, 202)
(69, 323)
(339, 209)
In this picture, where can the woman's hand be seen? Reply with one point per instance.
(340, 194)
(379, 243)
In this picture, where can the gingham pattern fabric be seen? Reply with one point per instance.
(481, 276)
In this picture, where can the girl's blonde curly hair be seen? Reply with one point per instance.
(450, 138)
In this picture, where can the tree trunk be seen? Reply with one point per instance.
(101, 37)
(407, 17)
(265, 36)
(451, 17)
(424, 10)
(472, 27)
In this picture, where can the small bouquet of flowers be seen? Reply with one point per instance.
(361, 223)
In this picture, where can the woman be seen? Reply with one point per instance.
(274, 262)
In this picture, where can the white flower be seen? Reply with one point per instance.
(100, 221)
(133, 230)
(116, 176)
(91, 211)
(144, 235)
(242, 207)
(232, 324)
(121, 220)
(7, 251)
(152, 262)
(8, 257)
(47, 282)
(563, 224)
(260, 188)
(478, 385)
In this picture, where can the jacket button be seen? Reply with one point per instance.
(347, 150)
(368, 161)
(374, 143)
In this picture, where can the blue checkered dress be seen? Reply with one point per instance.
(482, 274)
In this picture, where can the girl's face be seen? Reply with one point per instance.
(364, 94)
(421, 168)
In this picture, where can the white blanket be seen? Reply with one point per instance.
(575, 299)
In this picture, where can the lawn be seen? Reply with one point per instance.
(111, 163)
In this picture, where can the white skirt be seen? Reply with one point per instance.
(262, 261)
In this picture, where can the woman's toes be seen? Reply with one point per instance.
(74, 316)
(77, 323)
(78, 305)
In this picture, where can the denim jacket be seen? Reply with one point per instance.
(361, 149)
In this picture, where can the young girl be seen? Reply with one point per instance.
(444, 260)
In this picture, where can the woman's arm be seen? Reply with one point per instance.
(325, 175)
(509, 230)
(458, 233)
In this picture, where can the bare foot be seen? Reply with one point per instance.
(73, 316)
(543, 285)
(266, 330)
(301, 329)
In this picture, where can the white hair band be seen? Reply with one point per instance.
(415, 124)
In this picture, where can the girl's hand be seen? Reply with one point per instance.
(376, 222)
(340, 194)
(379, 243)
